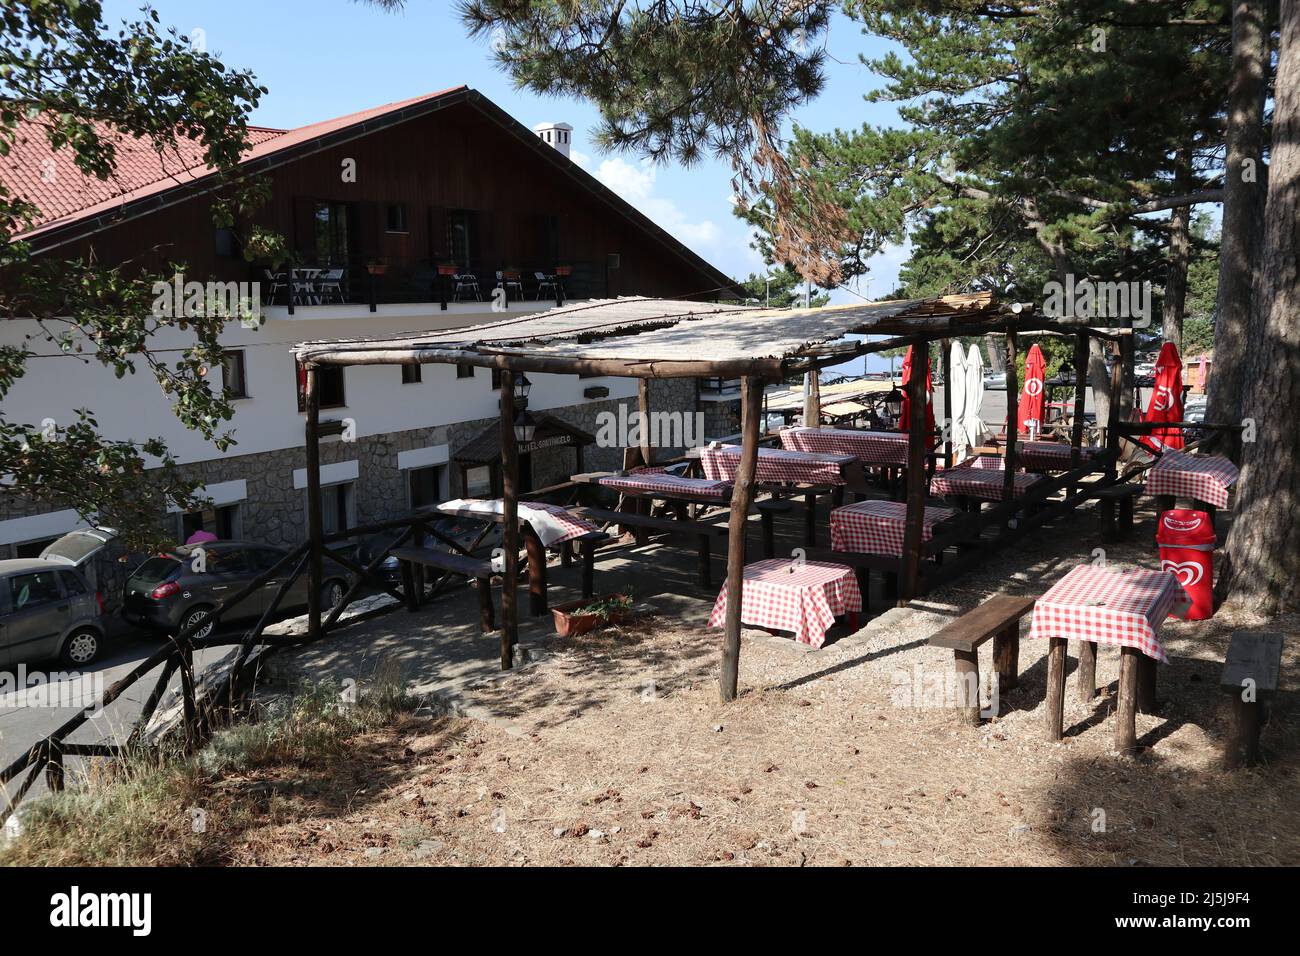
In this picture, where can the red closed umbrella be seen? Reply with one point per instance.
(1166, 403)
(905, 417)
(1031, 396)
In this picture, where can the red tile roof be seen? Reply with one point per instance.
(48, 179)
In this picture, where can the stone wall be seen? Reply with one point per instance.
(275, 512)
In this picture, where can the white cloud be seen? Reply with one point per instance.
(635, 183)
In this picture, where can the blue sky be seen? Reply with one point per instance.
(325, 58)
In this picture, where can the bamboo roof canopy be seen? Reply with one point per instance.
(654, 338)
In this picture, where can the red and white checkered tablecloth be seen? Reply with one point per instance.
(1050, 455)
(1203, 477)
(670, 486)
(775, 465)
(980, 477)
(882, 449)
(801, 597)
(1125, 608)
(877, 527)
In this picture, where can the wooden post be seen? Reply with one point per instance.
(315, 518)
(1146, 695)
(1006, 657)
(1087, 673)
(1112, 419)
(1080, 396)
(742, 494)
(1056, 687)
(917, 446)
(1013, 418)
(510, 517)
(1126, 711)
(966, 664)
(643, 406)
(812, 399)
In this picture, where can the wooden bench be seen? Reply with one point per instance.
(1250, 674)
(1117, 498)
(702, 532)
(999, 618)
(479, 570)
(768, 509)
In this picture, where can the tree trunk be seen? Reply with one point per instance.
(1243, 201)
(1180, 221)
(1264, 544)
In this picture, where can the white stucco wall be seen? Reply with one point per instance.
(378, 402)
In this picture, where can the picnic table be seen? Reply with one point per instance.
(877, 527)
(660, 484)
(804, 597)
(1051, 455)
(981, 477)
(876, 448)
(1204, 478)
(1095, 605)
(775, 465)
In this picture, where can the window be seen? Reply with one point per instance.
(411, 374)
(72, 584)
(462, 228)
(227, 247)
(32, 549)
(496, 379)
(232, 373)
(228, 561)
(331, 222)
(222, 520)
(397, 218)
(336, 507)
(34, 589)
(329, 379)
(464, 370)
(424, 486)
(478, 481)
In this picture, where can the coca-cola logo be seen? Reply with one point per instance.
(1178, 524)
(1187, 572)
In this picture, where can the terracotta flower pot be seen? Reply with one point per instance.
(569, 624)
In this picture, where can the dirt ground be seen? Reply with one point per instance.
(613, 749)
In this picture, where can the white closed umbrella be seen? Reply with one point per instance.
(956, 386)
(972, 424)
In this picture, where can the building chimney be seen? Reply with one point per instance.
(559, 135)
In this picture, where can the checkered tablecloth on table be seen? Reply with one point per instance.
(787, 596)
(1050, 455)
(775, 465)
(670, 486)
(1125, 608)
(877, 527)
(881, 449)
(980, 477)
(552, 523)
(1203, 477)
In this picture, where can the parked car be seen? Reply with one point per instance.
(995, 380)
(170, 591)
(48, 611)
(100, 557)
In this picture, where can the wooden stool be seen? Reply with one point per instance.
(1250, 674)
(999, 618)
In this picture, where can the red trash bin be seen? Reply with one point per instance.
(1186, 540)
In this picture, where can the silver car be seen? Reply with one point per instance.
(47, 612)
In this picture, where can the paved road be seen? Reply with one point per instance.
(23, 721)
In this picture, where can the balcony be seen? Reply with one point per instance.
(397, 287)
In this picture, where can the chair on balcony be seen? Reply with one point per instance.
(275, 282)
(511, 284)
(545, 282)
(466, 283)
(329, 285)
(305, 291)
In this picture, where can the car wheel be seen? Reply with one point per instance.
(193, 617)
(332, 595)
(82, 647)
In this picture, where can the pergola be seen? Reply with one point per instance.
(655, 339)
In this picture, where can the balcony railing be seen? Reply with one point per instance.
(387, 281)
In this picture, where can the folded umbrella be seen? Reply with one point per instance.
(1166, 403)
(1031, 397)
(905, 418)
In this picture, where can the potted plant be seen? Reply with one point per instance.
(563, 270)
(579, 617)
(376, 267)
(447, 268)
